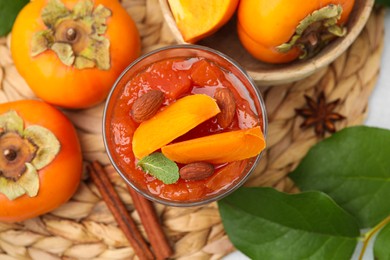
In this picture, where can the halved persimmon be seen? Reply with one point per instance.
(219, 148)
(198, 19)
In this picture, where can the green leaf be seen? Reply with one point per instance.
(381, 245)
(353, 167)
(383, 2)
(160, 167)
(9, 9)
(266, 224)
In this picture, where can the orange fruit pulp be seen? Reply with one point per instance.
(199, 19)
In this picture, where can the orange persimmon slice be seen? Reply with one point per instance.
(219, 148)
(175, 120)
(198, 19)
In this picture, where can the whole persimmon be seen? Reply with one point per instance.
(280, 31)
(70, 52)
(40, 159)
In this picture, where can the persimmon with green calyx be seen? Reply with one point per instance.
(40, 159)
(281, 31)
(70, 52)
(218, 148)
(175, 120)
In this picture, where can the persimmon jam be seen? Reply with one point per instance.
(177, 78)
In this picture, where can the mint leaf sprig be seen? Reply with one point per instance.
(160, 167)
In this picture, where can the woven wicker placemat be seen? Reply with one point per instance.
(83, 228)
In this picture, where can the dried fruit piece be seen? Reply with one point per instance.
(196, 171)
(219, 148)
(198, 19)
(172, 122)
(147, 105)
(227, 104)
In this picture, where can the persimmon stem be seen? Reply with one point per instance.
(10, 154)
(71, 34)
(367, 236)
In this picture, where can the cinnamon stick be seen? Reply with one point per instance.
(119, 211)
(150, 221)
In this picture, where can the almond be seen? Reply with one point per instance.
(227, 105)
(196, 171)
(147, 105)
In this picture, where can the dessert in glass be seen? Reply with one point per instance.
(184, 125)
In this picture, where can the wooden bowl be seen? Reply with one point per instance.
(226, 41)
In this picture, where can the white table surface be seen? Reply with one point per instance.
(378, 116)
(379, 103)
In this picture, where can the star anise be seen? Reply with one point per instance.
(320, 114)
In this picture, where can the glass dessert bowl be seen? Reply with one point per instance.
(184, 125)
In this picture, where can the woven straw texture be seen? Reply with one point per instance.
(83, 228)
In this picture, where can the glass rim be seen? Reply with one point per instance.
(176, 203)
